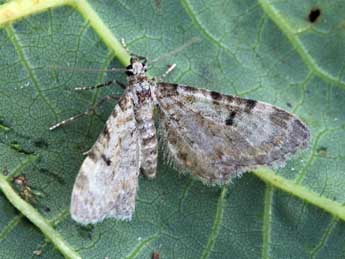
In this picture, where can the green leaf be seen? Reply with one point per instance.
(288, 53)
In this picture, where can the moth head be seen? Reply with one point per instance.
(136, 67)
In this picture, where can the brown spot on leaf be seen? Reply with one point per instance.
(155, 255)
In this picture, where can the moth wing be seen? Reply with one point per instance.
(217, 137)
(107, 181)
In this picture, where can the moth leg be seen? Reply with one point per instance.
(96, 86)
(122, 85)
(90, 111)
(169, 70)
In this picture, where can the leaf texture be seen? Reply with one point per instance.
(272, 51)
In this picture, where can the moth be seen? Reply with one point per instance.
(214, 137)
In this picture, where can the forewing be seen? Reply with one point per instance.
(217, 137)
(108, 178)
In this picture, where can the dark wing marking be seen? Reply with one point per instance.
(108, 178)
(217, 137)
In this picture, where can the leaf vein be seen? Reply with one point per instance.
(26, 64)
(266, 228)
(216, 224)
(295, 41)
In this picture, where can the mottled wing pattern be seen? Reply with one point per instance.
(217, 137)
(108, 178)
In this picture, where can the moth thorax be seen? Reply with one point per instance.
(143, 86)
(138, 68)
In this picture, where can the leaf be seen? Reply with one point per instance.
(287, 53)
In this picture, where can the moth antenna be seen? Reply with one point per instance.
(95, 70)
(88, 112)
(177, 50)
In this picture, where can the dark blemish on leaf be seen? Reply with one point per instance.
(230, 120)
(314, 14)
(322, 151)
(288, 104)
(41, 143)
(46, 209)
(155, 255)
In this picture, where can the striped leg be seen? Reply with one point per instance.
(170, 68)
(90, 111)
(167, 72)
(123, 86)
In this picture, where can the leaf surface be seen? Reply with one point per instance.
(280, 52)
